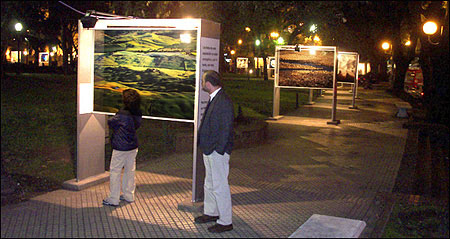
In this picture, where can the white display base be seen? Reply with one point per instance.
(85, 183)
(275, 117)
(322, 226)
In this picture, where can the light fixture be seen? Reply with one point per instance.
(430, 28)
(280, 41)
(239, 41)
(385, 45)
(88, 21)
(313, 28)
(18, 27)
(232, 52)
(257, 42)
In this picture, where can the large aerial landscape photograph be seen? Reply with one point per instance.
(309, 68)
(159, 64)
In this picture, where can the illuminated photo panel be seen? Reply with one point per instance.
(310, 67)
(242, 63)
(347, 66)
(159, 64)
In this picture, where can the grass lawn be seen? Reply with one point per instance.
(38, 130)
(417, 221)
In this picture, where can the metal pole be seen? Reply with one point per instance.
(333, 108)
(310, 98)
(354, 97)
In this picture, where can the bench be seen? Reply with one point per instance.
(402, 109)
(322, 226)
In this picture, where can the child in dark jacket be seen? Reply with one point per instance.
(125, 148)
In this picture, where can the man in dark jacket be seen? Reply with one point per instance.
(124, 143)
(215, 139)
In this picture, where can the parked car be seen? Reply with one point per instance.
(414, 79)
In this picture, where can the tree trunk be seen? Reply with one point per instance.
(64, 45)
(265, 69)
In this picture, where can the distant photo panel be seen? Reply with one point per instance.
(309, 68)
(159, 64)
(347, 65)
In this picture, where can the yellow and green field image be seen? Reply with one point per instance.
(156, 63)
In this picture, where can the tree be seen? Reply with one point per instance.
(434, 60)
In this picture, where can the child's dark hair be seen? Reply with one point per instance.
(131, 100)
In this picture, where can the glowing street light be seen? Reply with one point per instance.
(280, 41)
(232, 52)
(385, 45)
(257, 42)
(18, 27)
(408, 43)
(239, 41)
(274, 34)
(313, 28)
(316, 38)
(430, 27)
(247, 29)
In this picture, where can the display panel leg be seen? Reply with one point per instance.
(276, 104)
(354, 98)
(334, 121)
(310, 97)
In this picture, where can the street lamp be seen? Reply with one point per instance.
(430, 28)
(18, 28)
(257, 42)
(280, 41)
(313, 28)
(385, 46)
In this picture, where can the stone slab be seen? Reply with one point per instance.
(75, 185)
(322, 226)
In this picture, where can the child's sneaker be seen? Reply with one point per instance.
(122, 198)
(109, 204)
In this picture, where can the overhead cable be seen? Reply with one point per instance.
(96, 14)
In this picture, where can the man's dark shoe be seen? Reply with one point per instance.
(105, 202)
(205, 219)
(220, 228)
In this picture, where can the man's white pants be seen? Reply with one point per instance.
(119, 160)
(217, 200)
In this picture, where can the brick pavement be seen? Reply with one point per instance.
(306, 167)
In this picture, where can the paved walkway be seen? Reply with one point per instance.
(306, 167)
